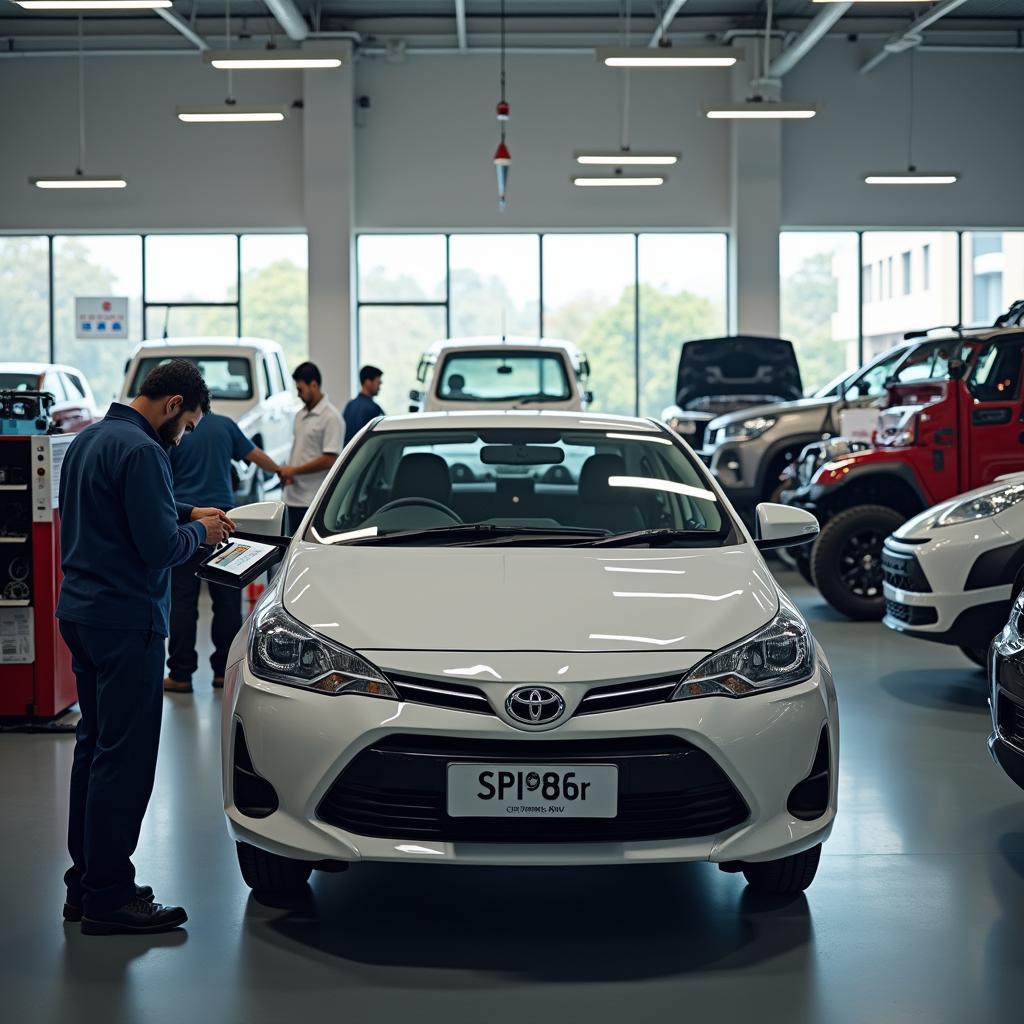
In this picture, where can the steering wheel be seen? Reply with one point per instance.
(423, 503)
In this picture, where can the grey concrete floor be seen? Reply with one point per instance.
(917, 913)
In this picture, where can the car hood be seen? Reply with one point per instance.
(775, 409)
(736, 367)
(538, 599)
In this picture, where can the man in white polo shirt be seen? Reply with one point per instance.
(316, 445)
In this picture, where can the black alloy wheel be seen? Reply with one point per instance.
(846, 561)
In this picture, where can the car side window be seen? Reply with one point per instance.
(282, 377)
(268, 388)
(996, 377)
(52, 383)
(74, 386)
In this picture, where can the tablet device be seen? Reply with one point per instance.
(241, 559)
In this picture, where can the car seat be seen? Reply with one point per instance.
(603, 506)
(422, 475)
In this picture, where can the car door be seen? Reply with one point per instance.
(277, 434)
(995, 414)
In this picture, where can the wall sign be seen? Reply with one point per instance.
(101, 318)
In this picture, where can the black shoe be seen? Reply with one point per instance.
(73, 911)
(135, 918)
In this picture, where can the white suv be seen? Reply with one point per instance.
(248, 381)
(502, 373)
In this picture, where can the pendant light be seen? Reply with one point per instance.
(231, 112)
(502, 157)
(625, 156)
(81, 180)
(764, 102)
(911, 176)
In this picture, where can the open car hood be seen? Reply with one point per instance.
(742, 368)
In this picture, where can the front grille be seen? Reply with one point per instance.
(619, 696)
(1010, 718)
(904, 572)
(911, 614)
(442, 695)
(668, 789)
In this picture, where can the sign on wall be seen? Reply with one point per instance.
(101, 318)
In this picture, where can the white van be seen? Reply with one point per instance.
(502, 373)
(248, 381)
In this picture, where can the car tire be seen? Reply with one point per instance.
(979, 655)
(784, 877)
(846, 539)
(267, 872)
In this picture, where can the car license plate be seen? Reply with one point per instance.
(533, 790)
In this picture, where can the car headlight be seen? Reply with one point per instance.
(982, 506)
(283, 650)
(747, 430)
(779, 654)
(685, 427)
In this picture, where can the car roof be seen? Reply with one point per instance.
(210, 343)
(38, 368)
(524, 418)
(492, 341)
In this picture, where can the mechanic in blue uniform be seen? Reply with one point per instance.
(201, 465)
(121, 533)
(361, 409)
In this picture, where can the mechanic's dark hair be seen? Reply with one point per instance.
(369, 373)
(307, 373)
(178, 377)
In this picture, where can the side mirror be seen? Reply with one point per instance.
(782, 526)
(415, 396)
(588, 397)
(265, 518)
(957, 369)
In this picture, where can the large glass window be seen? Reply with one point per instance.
(993, 274)
(589, 299)
(96, 265)
(191, 322)
(402, 268)
(682, 297)
(495, 285)
(24, 298)
(934, 296)
(275, 286)
(191, 268)
(818, 297)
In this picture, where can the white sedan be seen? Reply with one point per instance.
(531, 665)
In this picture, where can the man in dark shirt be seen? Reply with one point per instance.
(201, 465)
(363, 408)
(121, 532)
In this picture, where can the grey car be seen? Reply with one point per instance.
(747, 450)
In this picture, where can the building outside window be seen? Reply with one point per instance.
(907, 276)
(993, 274)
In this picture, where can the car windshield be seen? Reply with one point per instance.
(19, 381)
(930, 361)
(496, 375)
(509, 485)
(227, 377)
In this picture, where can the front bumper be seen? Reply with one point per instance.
(926, 587)
(1006, 678)
(301, 742)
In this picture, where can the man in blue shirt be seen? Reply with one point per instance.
(201, 465)
(121, 533)
(363, 408)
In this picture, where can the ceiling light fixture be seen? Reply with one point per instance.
(271, 60)
(627, 158)
(92, 5)
(666, 57)
(911, 176)
(231, 114)
(80, 179)
(617, 181)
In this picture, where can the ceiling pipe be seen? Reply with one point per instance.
(52, 54)
(819, 27)
(180, 25)
(912, 37)
(666, 19)
(460, 25)
(289, 18)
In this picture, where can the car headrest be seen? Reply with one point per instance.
(422, 475)
(594, 477)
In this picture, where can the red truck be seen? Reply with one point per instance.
(935, 439)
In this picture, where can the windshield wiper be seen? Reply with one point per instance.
(652, 538)
(472, 532)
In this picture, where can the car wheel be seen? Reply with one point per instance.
(846, 561)
(784, 877)
(979, 655)
(267, 872)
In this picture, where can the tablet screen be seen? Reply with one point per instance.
(239, 555)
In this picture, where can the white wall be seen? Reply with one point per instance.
(179, 176)
(967, 119)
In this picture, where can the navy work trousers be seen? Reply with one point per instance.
(120, 693)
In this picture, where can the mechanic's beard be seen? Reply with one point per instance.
(169, 431)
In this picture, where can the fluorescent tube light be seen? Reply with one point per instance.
(617, 181)
(760, 110)
(80, 181)
(92, 5)
(620, 158)
(272, 60)
(911, 178)
(666, 57)
(231, 114)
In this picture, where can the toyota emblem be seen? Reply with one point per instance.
(535, 705)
